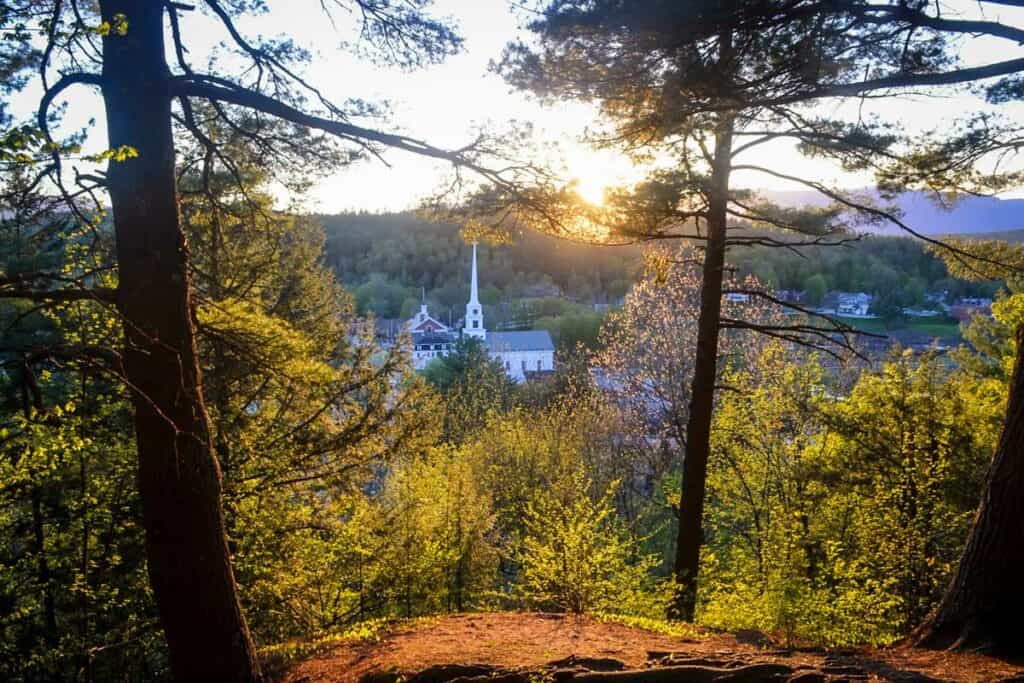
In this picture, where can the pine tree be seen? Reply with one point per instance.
(689, 88)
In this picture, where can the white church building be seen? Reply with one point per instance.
(521, 353)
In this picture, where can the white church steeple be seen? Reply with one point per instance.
(474, 326)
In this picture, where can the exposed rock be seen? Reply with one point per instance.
(753, 637)
(441, 673)
(692, 674)
(678, 659)
(588, 663)
(808, 677)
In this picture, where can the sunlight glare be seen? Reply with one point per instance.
(591, 190)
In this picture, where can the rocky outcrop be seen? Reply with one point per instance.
(662, 667)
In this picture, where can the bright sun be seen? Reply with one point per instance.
(591, 190)
(594, 172)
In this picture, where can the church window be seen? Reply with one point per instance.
(476, 323)
(538, 364)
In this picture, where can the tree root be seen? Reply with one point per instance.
(664, 668)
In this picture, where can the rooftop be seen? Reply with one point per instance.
(526, 340)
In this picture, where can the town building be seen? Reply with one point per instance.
(523, 354)
(853, 304)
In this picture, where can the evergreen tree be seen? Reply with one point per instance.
(121, 47)
(981, 605)
(690, 87)
(472, 385)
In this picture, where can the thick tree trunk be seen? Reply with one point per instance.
(702, 388)
(189, 565)
(985, 600)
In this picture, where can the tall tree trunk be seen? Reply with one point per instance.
(43, 567)
(985, 600)
(702, 388)
(179, 479)
(32, 409)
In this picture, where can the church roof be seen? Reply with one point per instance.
(527, 340)
(432, 338)
(425, 323)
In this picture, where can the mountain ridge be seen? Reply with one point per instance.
(970, 215)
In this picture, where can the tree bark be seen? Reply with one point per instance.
(702, 388)
(179, 479)
(983, 605)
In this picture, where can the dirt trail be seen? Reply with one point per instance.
(524, 647)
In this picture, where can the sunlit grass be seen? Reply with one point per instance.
(944, 328)
(676, 629)
(294, 650)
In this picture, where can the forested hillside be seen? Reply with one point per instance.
(402, 253)
(387, 260)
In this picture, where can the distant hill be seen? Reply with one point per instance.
(1006, 236)
(969, 216)
(391, 260)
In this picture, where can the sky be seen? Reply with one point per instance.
(444, 104)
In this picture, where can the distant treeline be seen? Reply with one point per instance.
(387, 259)
(893, 268)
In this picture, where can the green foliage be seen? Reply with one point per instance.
(907, 452)
(676, 629)
(576, 555)
(472, 385)
(279, 656)
(305, 407)
(408, 252)
(876, 264)
(74, 588)
(839, 521)
(385, 298)
(73, 585)
(815, 287)
(573, 331)
(993, 339)
(442, 556)
(387, 258)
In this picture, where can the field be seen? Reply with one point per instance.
(946, 329)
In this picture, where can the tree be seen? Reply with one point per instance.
(74, 589)
(439, 517)
(473, 386)
(305, 407)
(647, 361)
(691, 87)
(982, 604)
(908, 447)
(838, 519)
(815, 289)
(576, 556)
(123, 51)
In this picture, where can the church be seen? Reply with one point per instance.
(521, 353)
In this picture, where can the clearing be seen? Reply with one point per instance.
(554, 648)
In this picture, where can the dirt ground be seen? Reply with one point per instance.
(518, 641)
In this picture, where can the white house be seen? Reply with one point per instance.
(520, 353)
(856, 304)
